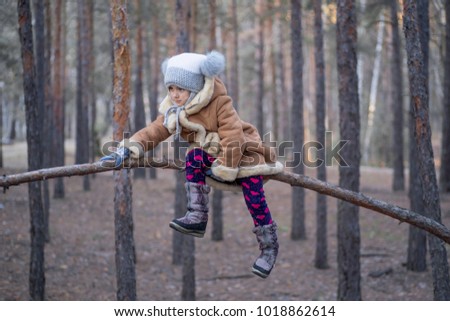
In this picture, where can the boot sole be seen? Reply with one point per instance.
(262, 274)
(183, 230)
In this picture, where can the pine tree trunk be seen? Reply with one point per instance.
(349, 275)
(217, 195)
(417, 71)
(156, 74)
(123, 218)
(82, 132)
(139, 112)
(283, 96)
(373, 90)
(37, 273)
(298, 231)
(260, 67)
(398, 182)
(445, 146)
(188, 242)
(274, 130)
(58, 97)
(234, 63)
(417, 240)
(182, 45)
(93, 139)
(48, 118)
(41, 83)
(1, 124)
(321, 257)
(152, 73)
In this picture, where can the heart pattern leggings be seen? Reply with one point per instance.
(198, 161)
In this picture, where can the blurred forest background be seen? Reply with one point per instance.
(156, 37)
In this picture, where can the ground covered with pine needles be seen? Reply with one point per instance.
(80, 262)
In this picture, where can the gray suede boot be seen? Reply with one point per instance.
(268, 244)
(196, 218)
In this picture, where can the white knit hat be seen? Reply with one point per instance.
(188, 70)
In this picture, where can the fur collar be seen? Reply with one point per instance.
(200, 100)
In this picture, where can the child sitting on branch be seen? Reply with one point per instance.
(223, 149)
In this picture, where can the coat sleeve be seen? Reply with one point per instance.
(232, 140)
(151, 135)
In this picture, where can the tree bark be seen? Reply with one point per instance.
(37, 273)
(139, 112)
(398, 182)
(58, 98)
(234, 63)
(321, 255)
(1, 123)
(259, 108)
(217, 195)
(419, 97)
(416, 259)
(187, 252)
(349, 287)
(94, 140)
(152, 75)
(298, 231)
(48, 132)
(82, 129)
(123, 218)
(373, 90)
(445, 146)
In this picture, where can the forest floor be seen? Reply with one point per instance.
(80, 262)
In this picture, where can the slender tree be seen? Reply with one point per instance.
(349, 275)
(123, 218)
(182, 14)
(417, 239)
(371, 111)
(82, 130)
(217, 213)
(422, 134)
(41, 82)
(139, 112)
(273, 72)
(2, 84)
(445, 146)
(234, 61)
(398, 182)
(58, 97)
(281, 57)
(259, 108)
(152, 68)
(182, 45)
(321, 257)
(298, 231)
(34, 148)
(93, 139)
(48, 132)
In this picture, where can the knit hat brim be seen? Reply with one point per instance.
(185, 79)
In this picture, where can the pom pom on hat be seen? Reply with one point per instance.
(187, 70)
(213, 65)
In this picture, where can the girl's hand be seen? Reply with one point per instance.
(121, 154)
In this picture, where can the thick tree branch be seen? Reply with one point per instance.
(359, 199)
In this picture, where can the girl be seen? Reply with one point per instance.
(224, 150)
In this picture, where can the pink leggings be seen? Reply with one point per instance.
(198, 161)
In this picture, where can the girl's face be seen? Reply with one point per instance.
(178, 95)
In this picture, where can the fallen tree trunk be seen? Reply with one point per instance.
(359, 199)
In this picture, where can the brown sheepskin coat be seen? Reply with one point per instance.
(210, 122)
